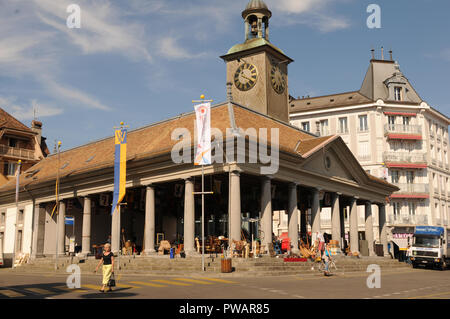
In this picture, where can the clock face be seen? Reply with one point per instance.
(278, 80)
(245, 77)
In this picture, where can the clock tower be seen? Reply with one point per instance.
(257, 69)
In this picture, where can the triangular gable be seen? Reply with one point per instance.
(335, 159)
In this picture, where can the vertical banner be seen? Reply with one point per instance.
(203, 116)
(17, 181)
(120, 162)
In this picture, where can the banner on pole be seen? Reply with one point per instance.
(120, 161)
(203, 120)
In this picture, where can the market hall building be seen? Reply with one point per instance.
(313, 172)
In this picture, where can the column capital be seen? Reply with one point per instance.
(150, 186)
(293, 184)
(266, 177)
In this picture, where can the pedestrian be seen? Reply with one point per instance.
(326, 259)
(408, 254)
(108, 266)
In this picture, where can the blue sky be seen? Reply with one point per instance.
(142, 61)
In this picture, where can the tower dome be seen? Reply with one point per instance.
(256, 6)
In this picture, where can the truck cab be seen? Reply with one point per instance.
(430, 247)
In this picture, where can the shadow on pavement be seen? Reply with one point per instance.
(117, 293)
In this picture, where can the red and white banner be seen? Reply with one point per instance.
(203, 116)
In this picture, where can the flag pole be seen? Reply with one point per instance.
(202, 100)
(19, 163)
(57, 206)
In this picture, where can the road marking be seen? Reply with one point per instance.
(442, 293)
(194, 281)
(40, 291)
(94, 287)
(11, 293)
(127, 286)
(171, 282)
(218, 280)
(146, 284)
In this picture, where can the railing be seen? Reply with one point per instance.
(403, 129)
(404, 157)
(363, 129)
(413, 188)
(364, 157)
(408, 220)
(16, 152)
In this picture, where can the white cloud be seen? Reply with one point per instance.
(314, 13)
(170, 49)
(102, 29)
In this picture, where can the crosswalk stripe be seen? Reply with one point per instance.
(194, 281)
(126, 286)
(70, 289)
(218, 280)
(40, 291)
(11, 293)
(171, 282)
(146, 284)
(91, 287)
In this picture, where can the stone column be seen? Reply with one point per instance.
(293, 217)
(260, 35)
(149, 230)
(315, 212)
(353, 223)
(342, 225)
(86, 232)
(189, 217)
(235, 206)
(37, 248)
(247, 25)
(115, 231)
(266, 210)
(369, 227)
(61, 228)
(383, 228)
(335, 218)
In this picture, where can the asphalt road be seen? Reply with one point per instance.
(395, 284)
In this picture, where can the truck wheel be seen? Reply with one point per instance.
(414, 265)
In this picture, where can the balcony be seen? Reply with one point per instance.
(408, 220)
(14, 152)
(364, 158)
(405, 160)
(403, 132)
(419, 191)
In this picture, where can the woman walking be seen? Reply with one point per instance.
(108, 266)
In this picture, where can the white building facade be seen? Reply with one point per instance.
(395, 135)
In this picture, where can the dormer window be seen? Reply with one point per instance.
(398, 93)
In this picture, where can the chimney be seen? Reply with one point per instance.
(373, 54)
(382, 53)
(36, 126)
(390, 53)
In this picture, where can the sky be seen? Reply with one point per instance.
(143, 61)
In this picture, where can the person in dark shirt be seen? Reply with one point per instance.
(108, 266)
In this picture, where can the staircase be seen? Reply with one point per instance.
(265, 266)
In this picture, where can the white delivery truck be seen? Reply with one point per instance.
(431, 247)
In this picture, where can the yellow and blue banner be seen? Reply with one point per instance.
(120, 167)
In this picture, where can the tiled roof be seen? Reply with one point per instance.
(327, 102)
(8, 121)
(156, 139)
